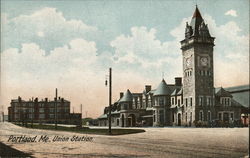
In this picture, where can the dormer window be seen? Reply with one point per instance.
(172, 100)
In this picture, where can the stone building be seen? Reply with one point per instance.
(191, 102)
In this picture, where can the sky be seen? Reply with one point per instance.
(70, 45)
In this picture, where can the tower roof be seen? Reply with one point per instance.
(162, 89)
(196, 21)
(127, 97)
(197, 13)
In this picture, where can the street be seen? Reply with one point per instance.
(155, 142)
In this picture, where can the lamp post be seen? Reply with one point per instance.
(110, 98)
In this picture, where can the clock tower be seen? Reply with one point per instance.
(198, 73)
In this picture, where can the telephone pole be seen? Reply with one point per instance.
(110, 100)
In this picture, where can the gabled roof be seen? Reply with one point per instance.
(162, 89)
(223, 93)
(175, 92)
(180, 92)
(127, 97)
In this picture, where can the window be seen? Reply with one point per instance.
(200, 100)
(41, 110)
(179, 102)
(161, 112)
(31, 116)
(41, 116)
(209, 101)
(220, 116)
(190, 73)
(186, 117)
(51, 116)
(209, 116)
(201, 116)
(191, 117)
(191, 102)
(173, 101)
(161, 101)
(41, 105)
(51, 110)
(186, 100)
(125, 106)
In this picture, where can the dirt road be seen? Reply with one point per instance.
(155, 142)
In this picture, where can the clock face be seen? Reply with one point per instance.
(204, 61)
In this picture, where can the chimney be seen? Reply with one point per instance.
(19, 98)
(178, 81)
(56, 93)
(148, 88)
(36, 99)
(121, 95)
(46, 99)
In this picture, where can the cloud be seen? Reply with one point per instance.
(46, 21)
(40, 34)
(231, 13)
(143, 52)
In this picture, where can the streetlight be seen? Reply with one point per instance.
(110, 100)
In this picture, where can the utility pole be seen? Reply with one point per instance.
(3, 112)
(110, 100)
(81, 117)
(56, 110)
(81, 109)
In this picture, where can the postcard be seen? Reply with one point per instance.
(127, 78)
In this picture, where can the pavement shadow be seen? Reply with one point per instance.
(7, 151)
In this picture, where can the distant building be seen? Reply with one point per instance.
(191, 102)
(241, 94)
(43, 111)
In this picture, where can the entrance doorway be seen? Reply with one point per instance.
(131, 120)
(225, 116)
(179, 119)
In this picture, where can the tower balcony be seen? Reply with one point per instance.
(197, 40)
